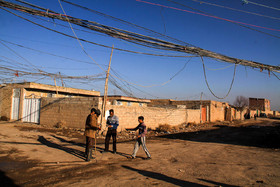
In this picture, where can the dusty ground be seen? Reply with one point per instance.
(235, 154)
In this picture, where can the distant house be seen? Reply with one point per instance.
(210, 111)
(22, 101)
(127, 101)
(259, 104)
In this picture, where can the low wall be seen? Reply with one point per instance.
(154, 116)
(72, 112)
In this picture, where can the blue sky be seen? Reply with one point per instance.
(204, 32)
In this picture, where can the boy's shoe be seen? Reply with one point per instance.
(148, 158)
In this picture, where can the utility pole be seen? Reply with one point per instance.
(55, 85)
(106, 89)
(62, 84)
(201, 107)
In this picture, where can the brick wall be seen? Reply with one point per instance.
(71, 111)
(6, 95)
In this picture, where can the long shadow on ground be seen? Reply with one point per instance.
(83, 145)
(6, 181)
(172, 180)
(162, 177)
(252, 135)
(72, 151)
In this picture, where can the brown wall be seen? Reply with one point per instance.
(217, 111)
(6, 95)
(71, 111)
(259, 104)
(154, 116)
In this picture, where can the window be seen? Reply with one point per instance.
(140, 104)
(128, 103)
(119, 103)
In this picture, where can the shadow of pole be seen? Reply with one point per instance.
(217, 183)
(162, 177)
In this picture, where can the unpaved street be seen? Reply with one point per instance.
(235, 154)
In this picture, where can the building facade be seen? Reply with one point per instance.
(259, 104)
(22, 101)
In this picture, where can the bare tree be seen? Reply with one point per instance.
(241, 102)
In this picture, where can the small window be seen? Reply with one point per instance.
(140, 104)
(128, 103)
(119, 103)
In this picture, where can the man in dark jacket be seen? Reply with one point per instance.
(141, 138)
(112, 123)
(90, 131)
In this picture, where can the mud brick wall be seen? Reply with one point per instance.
(217, 111)
(154, 116)
(71, 112)
(6, 95)
(193, 116)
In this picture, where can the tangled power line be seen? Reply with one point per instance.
(128, 36)
(138, 38)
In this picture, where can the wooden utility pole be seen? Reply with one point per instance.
(201, 107)
(55, 85)
(106, 89)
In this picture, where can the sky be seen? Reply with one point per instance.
(146, 76)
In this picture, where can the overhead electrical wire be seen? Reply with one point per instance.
(128, 93)
(79, 40)
(31, 65)
(217, 69)
(113, 82)
(94, 43)
(234, 9)
(51, 54)
(112, 79)
(205, 77)
(239, 24)
(118, 75)
(216, 17)
(22, 73)
(136, 38)
(127, 23)
(258, 4)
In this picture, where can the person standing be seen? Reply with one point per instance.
(141, 138)
(90, 131)
(112, 123)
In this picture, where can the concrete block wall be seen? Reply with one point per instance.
(70, 111)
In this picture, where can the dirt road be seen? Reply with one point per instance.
(238, 154)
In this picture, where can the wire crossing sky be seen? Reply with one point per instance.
(177, 27)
